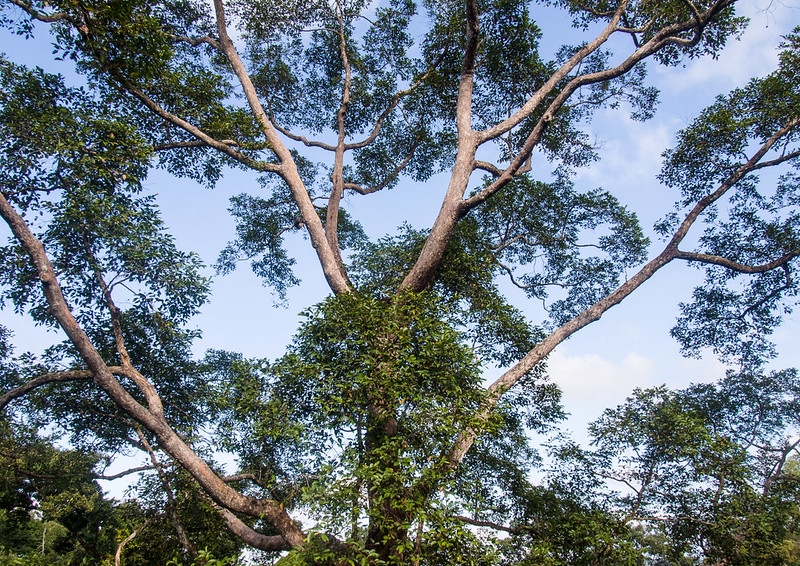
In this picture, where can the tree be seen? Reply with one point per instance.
(376, 426)
(706, 470)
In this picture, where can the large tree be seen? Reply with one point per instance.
(376, 438)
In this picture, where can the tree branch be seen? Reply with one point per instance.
(337, 176)
(301, 139)
(204, 139)
(154, 403)
(328, 259)
(454, 207)
(171, 510)
(544, 91)
(392, 105)
(421, 274)
(502, 384)
(251, 536)
(736, 266)
(57, 376)
(45, 18)
(199, 143)
(488, 524)
(168, 439)
(661, 39)
(127, 539)
(124, 473)
(195, 41)
(383, 184)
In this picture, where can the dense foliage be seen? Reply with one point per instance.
(380, 437)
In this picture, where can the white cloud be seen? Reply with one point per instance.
(756, 54)
(631, 150)
(592, 383)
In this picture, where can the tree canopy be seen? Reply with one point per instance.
(379, 436)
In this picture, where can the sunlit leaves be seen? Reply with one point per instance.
(544, 236)
(645, 18)
(465, 284)
(702, 470)
(308, 424)
(757, 224)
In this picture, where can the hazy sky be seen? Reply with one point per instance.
(629, 347)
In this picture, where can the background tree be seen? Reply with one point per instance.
(377, 426)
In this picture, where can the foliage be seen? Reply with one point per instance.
(702, 470)
(399, 424)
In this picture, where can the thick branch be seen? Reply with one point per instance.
(663, 38)
(466, 82)
(328, 259)
(250, 536)
(421, 274)
(596, 311)
(335, 198)
(124, 473)
(168, 439)
(45, 18)
(453, 207)
(44, 380)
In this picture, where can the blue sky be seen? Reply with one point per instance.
(629, 347)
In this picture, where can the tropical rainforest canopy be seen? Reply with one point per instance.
(403, 424)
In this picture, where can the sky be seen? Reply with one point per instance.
(597, 368)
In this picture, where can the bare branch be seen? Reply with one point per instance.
(195, 41)
(488, 524)
(127, 539)
(124, 473)
(496, 171)
(44, 380)
(736, 266)
(45, 18)
(385, 183)
(778, 160)
(240, 477)
(251, 536)
(302, 139)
